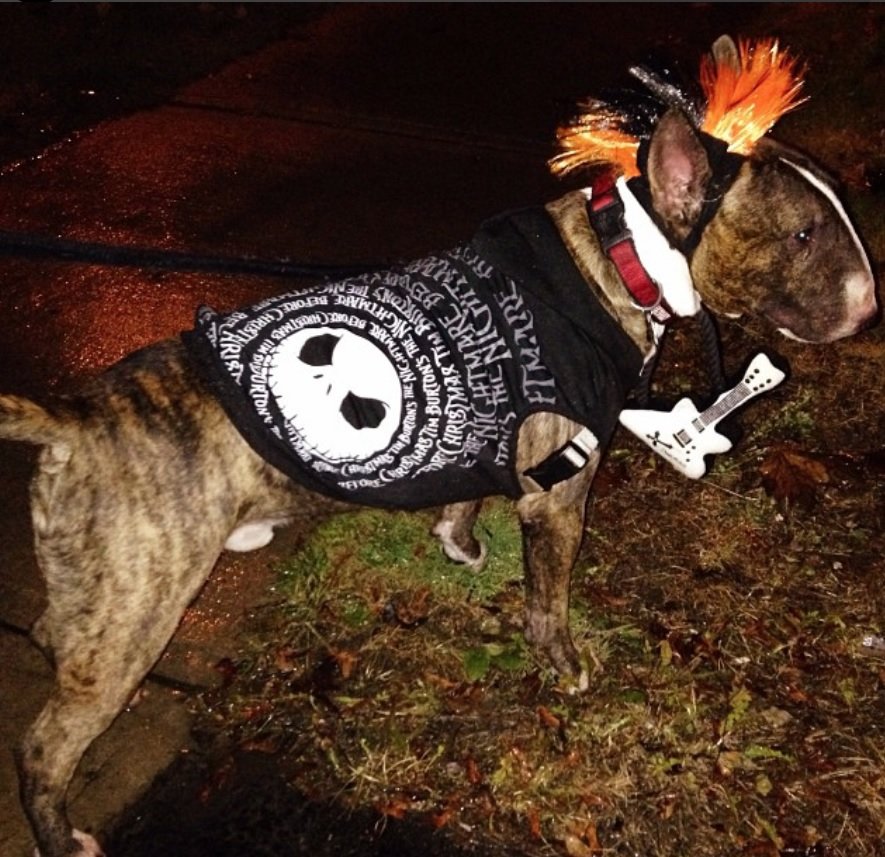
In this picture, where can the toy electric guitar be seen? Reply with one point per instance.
(683, 436)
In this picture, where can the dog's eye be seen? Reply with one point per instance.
(804, 237)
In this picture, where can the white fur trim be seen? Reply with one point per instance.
(664, 263)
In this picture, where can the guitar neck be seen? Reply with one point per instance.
(728, 403)
(761, 375)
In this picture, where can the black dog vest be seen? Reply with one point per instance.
(406, 388)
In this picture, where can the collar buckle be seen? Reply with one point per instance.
(609, 224)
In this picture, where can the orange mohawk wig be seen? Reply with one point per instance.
(747, 89)
(596, 136)
(746, 94)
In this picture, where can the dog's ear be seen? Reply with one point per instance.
(725, 53)
(678, 173)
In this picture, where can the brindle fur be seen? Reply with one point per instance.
(142, 479)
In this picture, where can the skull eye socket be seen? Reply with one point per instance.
(338, 392)
(318, 350)
(363, 413)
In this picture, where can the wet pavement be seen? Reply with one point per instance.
(364, 134)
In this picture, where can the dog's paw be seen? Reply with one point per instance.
(477, 563)
(554, 641)
(470, 552)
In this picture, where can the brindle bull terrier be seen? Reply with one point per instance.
(144, 478)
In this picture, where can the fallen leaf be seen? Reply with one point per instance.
(534, 823)
(218, 779)
(666, 806)
(286, 659)
(792, 477)
(396, 807)
(548, 718)
(269, 745)
(592, 839)
(474, 775)
(346, 661)
(407, 609)
(760, 848)
(441, 819)
(446, 814)
(440, 682)
(583, 846)
(256, 711)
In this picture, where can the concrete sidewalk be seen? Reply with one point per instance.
(369, 134)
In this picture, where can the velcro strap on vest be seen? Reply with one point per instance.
(566, 462)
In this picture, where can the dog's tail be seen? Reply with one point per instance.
(22, 419)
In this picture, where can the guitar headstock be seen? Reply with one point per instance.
(762, 374)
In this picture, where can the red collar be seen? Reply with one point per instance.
(606, 212)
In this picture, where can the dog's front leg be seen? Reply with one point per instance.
(552, 527)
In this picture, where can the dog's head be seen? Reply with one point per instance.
(762, 226)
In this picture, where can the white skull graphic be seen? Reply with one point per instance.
(338, 391)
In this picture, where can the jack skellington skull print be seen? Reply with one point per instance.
(364, 387)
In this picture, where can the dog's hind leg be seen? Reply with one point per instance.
(454, 529)
(120, 570)
(99, 664)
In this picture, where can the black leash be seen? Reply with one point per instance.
(712, 355)
(33, 246)
(712, 350)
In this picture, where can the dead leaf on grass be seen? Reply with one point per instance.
(395, 807)
(269, 745)
(582, 841)
(534, 818)
(218, 778)
(346, 661)
(760, 848)
(287, 659)
(408, 610)
(792, 477)
(474, 775)
(548, 718)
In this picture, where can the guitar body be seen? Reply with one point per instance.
(673, 436)
(683, 435)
